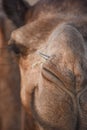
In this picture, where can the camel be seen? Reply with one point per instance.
(50, 46)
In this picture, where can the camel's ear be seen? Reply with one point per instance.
(16, 10)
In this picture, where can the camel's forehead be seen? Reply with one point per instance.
(37, 32)
(41, 28)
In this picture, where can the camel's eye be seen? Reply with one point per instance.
(15, 49)
(18, 49)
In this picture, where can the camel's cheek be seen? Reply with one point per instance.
(55, 106)
(29, 81)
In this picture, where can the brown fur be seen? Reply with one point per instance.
(54, 90)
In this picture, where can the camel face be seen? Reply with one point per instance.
(53, 78)
(51, 52)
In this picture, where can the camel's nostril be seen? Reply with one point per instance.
(50, 75)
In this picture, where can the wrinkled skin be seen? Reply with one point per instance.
(51, 49)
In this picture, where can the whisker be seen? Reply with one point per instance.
(46, 57)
